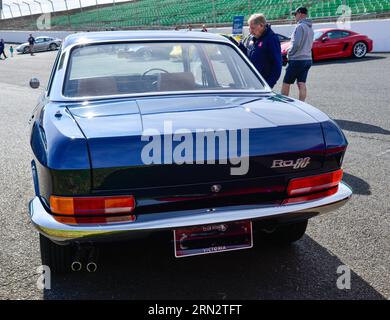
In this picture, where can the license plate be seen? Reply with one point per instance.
(214, 238)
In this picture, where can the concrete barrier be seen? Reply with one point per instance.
(377, 30)
(21, 36)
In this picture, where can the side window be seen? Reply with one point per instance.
(220, 66)
(337, 34)
(196, 67)
(48, 89)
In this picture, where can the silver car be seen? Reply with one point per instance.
(41, 44)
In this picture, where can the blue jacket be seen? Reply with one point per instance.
(1, 46)
(265, 55)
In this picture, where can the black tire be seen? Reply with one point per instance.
(57, 257)
(359, 50)
(285, 234)
(26, 50)
(53, 47)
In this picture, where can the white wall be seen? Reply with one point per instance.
(21, 36)
(377, 30)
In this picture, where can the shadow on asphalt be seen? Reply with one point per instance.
(147, 270)
(359, 186)
(361, 127)
(348, 60)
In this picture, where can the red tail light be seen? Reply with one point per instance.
(312, 196)
(314, 183)
(92, 206)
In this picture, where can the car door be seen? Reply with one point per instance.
(39, 44)
(46, 43)
(333, 44)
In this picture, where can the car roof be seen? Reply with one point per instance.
(90, 37)
(331, 29)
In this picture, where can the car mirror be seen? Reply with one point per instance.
(324, 39)
(34, 83)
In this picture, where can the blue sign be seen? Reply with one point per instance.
(238, 24)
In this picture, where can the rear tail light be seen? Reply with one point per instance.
(96, 209)
(89, 220)
(310, 197)
(316, 183)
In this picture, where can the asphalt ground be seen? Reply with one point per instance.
(354, 93)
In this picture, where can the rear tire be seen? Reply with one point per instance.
(57, 257)
(285, 234)
(53, 47)
(359, 50)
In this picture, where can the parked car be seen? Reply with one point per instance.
(41, 44)
(283, 38)
(335, 43)
(122, 148)
(146, 52)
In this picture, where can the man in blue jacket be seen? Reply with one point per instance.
(263, 49)
(2, 47)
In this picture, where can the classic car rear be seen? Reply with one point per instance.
(199, 147)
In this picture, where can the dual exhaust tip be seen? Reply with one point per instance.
(77, 266)
(91, 266)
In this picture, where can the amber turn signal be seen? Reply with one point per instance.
(87, 206)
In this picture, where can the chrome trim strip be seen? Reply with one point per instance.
(49, 227)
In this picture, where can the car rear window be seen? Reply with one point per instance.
(127, 68)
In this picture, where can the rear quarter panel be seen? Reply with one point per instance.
(60, 152)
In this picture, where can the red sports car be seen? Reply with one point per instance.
(335, 43)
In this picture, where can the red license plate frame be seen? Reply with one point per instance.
(215, 238)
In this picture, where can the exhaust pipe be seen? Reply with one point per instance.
(91, 267)
(76, 266)
(92, 260)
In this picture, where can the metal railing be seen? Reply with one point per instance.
(18, 8)
(156, 14)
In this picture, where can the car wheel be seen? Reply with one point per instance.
(359, 50)
(57, 257)
(53, 47)
(26, 50)
(283, 234)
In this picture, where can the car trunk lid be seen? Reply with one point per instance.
(283, 139)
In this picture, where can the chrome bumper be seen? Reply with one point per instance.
(59, 232)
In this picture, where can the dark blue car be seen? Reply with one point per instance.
(199, 147)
